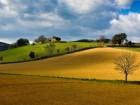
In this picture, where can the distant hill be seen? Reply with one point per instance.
(4, 46)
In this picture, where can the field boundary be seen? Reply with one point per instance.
(80, 79)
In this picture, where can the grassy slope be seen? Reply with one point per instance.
(130, 48)
(21, 53)
(94, 63)
(34, 90)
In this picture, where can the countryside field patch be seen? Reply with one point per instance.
(35, 90)
(94, 63)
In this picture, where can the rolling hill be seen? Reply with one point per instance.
(21, 54)
(94, 63)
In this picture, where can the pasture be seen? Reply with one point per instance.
(35, 90)
(21, 54)
(95, 63)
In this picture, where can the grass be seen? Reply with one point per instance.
(130, 48)
(36, 90)
(22, 53)
(89, 64)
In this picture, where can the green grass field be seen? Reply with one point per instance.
(22, 53)
(35, 90)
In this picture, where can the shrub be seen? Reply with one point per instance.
(1, 58)
(67, 49)
(74, 47)
(58, 51)
(32, 55)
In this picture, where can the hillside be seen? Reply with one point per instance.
(94, 63)
(21, 54)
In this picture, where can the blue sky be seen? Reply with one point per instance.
(69, 19)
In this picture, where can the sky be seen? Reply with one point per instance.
(68, 19)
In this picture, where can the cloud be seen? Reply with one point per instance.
(124, 3)
(82, 6)
(69, 19)
(126, 23)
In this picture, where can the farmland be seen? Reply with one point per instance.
(35, 90)
(92, 64)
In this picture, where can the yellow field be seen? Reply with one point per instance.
(35, 90)
(94, 63)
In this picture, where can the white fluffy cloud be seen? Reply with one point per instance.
(69, 18)
(124, 3)
(126, 23)
(82, 6)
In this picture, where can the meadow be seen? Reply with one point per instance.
(97, 63)
(85, 77)
(41, 51)
(36, 90)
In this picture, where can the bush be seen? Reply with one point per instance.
(67, 49)
(74, 47)
(1, 58)
(58, 51)
(50, 47)
(32, 55)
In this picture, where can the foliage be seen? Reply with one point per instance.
(74, 47)
(67, 49)
(50, 48)
(58, 39)
(41, 39)
(32, 55)
(22, 42)
(119, 38)
(1, 58)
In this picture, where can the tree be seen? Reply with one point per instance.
(41, 39)
(32, 55)
(22, 42)
(57, 39)
(101, 41)
(130, 44)
(119, 38)
(126, 64)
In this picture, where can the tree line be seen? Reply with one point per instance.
(41, 39)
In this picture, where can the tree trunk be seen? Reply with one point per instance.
(126, 77)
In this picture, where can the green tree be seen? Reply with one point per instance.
(119, 38)
(41, 39)
(22, 42)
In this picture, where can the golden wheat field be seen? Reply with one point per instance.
(94, 63)
(35, 90)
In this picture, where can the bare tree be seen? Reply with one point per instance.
(126, 64)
